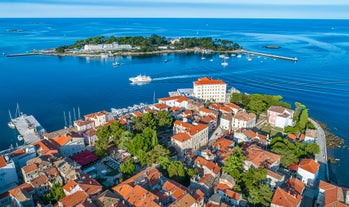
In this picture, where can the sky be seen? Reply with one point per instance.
(308, 9)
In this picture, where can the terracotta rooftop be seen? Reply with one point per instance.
(208, 164)
(297, 185)
(223, 144)
(29, 168)
(174, 98)
(186, 201)
(45, 146)
(62, 139)
(107, 198)
(160, 106)
(205, 110)
(333, 195)
(137, 196)
(137, 113)
(282, 198)
(39, 181)
(181, 137)
(90, 132)
(177, 190)
(274, 175)
(2, 162)
(192, 129)
(232, 105)
(82, 122)
(97, 114)
(21, 192)
(73, 199)
(16, 153)
(71, 184)
(206, 81)
(242, 115)
(309, 165)
(260, 157)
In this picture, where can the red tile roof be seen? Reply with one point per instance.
(39, 181)
(241, 115)
(137, 196)
(186, 201)
(223, 144)
(333, 195)
(29, 168)
(208, 164)
(16, 153)
(282, 198)
(295, 184)
(84, 157)
(81, 122)
(97, 114)
(177, 190)
(70, 185)
(205, 110)
(205, 81)
(73, 199)
(260, 157)
(46, 147)
(179, 99)
(62, 139)
(25, 186)
(137, 113)
(191, 129)
(309, 165)
(160, 106)
(181, 137)
(2, 162)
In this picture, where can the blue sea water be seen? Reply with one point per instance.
(45, 86)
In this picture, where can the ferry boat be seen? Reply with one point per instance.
(140, 79)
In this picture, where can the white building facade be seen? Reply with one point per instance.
(209, 89)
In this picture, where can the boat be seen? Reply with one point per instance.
(116, 64)
(11, 125)
(166, 60)
(224, 63)
(20, 138)
(211, 60)
(239, 56)
(140, 79)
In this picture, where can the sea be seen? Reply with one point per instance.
(49, 86)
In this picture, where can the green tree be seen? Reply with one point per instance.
(155, 155)
(236, 98)
(260, 195)
(312, 148)
(101, 144)
(176, 169)
(164, 119)
(303, 120)
(56, 193)
(234, 164)
(125, 139)
(128, 167)
(116, 129)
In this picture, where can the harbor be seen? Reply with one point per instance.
(269, 55)
(29, 129)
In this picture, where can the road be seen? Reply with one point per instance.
(322, 156)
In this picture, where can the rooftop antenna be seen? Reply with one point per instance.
(70, 122)
(65, 120)
(74, 113)
(79, 113)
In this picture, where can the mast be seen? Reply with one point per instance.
(18, 112)
(79, 113)
(9, 113)
(70, 123)
(65, 119)
(74, 113)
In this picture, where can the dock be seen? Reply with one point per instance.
(22, 54)
(29, 128)
(269, 55)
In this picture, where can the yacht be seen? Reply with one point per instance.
(140, 79)
(116, 64)
(224, 63)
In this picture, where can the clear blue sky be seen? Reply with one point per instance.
(313, 9)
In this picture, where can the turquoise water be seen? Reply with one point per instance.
(45, 86)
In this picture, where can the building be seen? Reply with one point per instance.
(22, 196)
(73, 200)
(41, 185)
(243, 120)
(178, 101)
(274, 179)
(208, 167)
(8, 174)
(226, 121)
(86, 183)
(99, 118)
(308, 171)
(189, 137)
(209, 89)
(46, 147)
(83, 125)
(280, 116)
(282, 198)
(106, 47)
(69, 144)
(90, 136)
(331, 195)
(257, 157)
(310, 135)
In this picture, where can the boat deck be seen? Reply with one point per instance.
(29, 128)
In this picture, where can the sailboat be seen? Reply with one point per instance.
(224, 63)
(116, 64)
(18, 113)
(10, 123)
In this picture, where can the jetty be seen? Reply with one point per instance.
(22, 54)
(294, 59)
(29, 129)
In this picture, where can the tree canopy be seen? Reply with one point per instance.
(56, 193)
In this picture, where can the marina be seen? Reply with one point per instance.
(29, 129)
(269, 55)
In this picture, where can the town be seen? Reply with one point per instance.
(205, 146)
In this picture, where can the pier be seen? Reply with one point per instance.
(22, 54)
(29, 128)
(269, 55)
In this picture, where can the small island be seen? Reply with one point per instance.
(139, 45)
